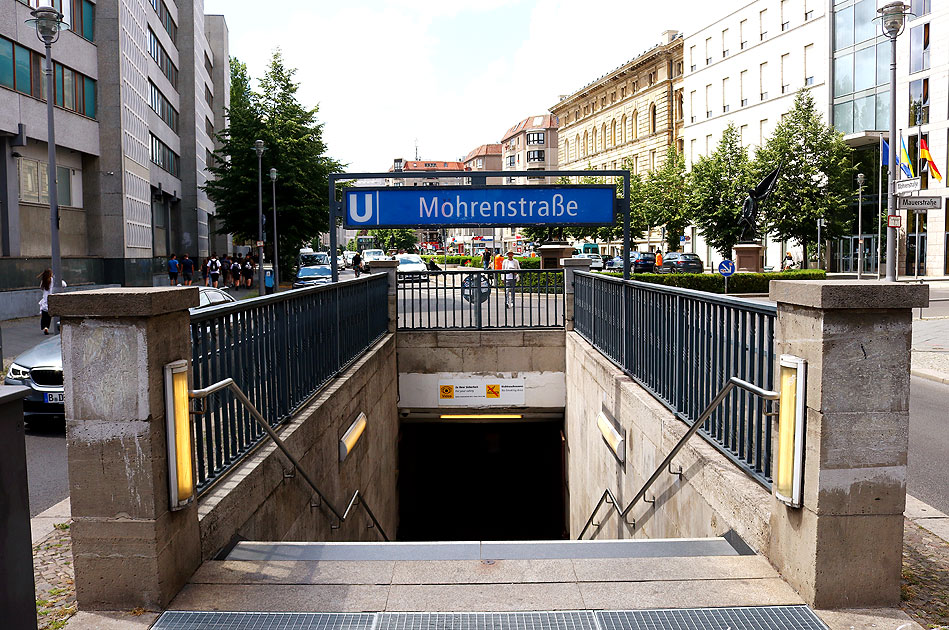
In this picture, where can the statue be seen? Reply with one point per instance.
(749, 209)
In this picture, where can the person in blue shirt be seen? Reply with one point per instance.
(173, 270)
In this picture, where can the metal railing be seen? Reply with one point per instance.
(608, 496)
(681, 345)
(358, 499)
(280, 349)
(478, 299)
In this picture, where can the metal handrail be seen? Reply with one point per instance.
(732, 383)
(358, 499)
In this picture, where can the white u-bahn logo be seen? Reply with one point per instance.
(363, 212)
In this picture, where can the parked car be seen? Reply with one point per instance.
(412, 268)
(41, 368)
(348, 258)
(596, 261)
(639, 262)
(313, 275)
(676, 262)
(369, 255)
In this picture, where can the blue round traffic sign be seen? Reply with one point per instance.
(726, 267)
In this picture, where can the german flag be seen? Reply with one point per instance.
(924, 153)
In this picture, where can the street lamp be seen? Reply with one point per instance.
(276, 259)
(48, 22)
(893, 19)
(860, 180)
(260, 148)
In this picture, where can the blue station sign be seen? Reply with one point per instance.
(500, 206)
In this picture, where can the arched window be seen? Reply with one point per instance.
(635, 125)
(603, 138)
(593, 145)
(576, 146)
(566, 150)
(652, 118)
(622, 127)
(586, 144)
(613, 133)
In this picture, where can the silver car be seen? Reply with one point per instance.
(41, 369)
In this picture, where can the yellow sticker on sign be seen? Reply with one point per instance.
(446, 392)
(492, 391)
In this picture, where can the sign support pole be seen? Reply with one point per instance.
(332, 227)
(917, 247)
(626, 203)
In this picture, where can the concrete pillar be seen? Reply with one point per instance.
(129, 548)
(571, 265)
(17, 589)
(843, 548)
(389, 268)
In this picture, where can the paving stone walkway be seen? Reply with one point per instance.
(925, 590)
(54, 577)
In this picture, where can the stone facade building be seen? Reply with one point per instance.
(529, 145)
(633, 112)
(141, 87)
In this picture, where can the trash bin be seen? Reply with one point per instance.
(268, 281)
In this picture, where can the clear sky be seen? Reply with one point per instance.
(448, 74)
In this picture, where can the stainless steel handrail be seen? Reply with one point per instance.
(358, 499)
(732, 383)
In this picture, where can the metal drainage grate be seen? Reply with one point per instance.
(579, 620)
(182, 620)
(756, 617)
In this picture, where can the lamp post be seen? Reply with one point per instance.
(893, 20)
(276, 259)
(260, 148)
(48, 22)
(860, 180)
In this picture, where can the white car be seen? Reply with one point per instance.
(411, 268)
(369, 255)
(596, 261)
(348, 258)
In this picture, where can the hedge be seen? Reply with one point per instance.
(476, 262)
(715, 283)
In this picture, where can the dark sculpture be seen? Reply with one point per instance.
(749, 209)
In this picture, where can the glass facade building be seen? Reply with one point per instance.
(861, 68)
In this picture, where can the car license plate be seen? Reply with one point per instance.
(52, 397)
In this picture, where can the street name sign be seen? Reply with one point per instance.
(919, 203)
(425, 206)
(908, 185)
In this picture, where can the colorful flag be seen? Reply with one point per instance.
(905, 162)
(884, 152)
(924, 153)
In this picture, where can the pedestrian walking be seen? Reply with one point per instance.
(788, 263)
(214, 270)
(173, 270)
(236, 274)
(357, 264)
(187, 270)
(659, 260)
(486, 258)
(511, 266)
(204, 270)
(249, 265)
(46, 284)
(225, 271)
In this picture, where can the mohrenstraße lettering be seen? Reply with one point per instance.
(524, 208)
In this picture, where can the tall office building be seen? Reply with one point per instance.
(141, 89)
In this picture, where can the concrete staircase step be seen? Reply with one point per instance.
(481, 550)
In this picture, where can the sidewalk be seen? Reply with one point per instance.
(931, 349)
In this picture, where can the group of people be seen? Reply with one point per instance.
(504, 263)
(226, 272)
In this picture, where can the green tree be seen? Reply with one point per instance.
(718, 185)
(664, 198)
(394, 239)
(295, 147)
(816, 178)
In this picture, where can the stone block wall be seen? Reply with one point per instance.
(712, 495)
(257, 502)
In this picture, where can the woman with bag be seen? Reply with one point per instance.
(46, 284)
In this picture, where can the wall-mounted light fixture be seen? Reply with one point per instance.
(481, 416)
(611, 435)
(178, 423)
(789, 462)
(352, 435)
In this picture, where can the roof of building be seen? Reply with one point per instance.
(430, 165)
(483, 150)
(543, 121)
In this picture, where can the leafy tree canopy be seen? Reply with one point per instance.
(718, 185)
(816, 178)
(394, 239)
(295, 148)
(664, 197)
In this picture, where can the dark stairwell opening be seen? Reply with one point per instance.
(482, 480)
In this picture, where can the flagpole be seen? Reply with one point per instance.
(880, 212)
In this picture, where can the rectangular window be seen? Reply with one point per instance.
(785, 80)
(843, 117)
(535, 137)
(535, 156)
(920, 7)
(864, 26)
(89, 92)
(510, 161)
(742, 86)
(843, 28)
(29, 180)
(762, 24)
(725, 42)
(6, 63)
(63, 185)
(864, 63)
(208, 97)
(708, 50)
(918, 102)
(692, 57)
(207, 64)
(809, 64)
(763, 80)
(726, 96)
(165, 18)
(209, 128)
(843, 75)
(59, 85)
(163, 157)
(743, 33)
(81, 18)
(919, 48)
(157, 52)
(883, 63)
(208, 158)
(24, 79)
(762, 131)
